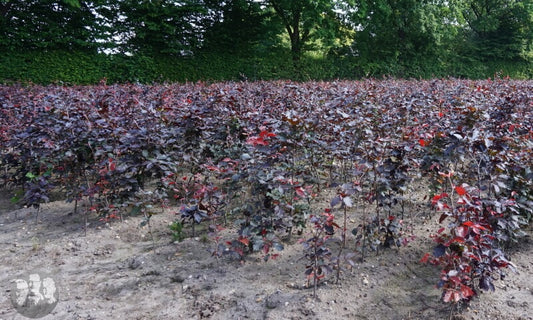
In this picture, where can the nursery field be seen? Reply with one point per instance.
(387, 199)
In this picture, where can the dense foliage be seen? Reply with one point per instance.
(260, 155)
(70, 68)
(168, 40)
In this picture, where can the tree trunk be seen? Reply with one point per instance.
(296, 49)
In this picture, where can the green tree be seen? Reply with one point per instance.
(235, 26)
(497, 29)
(398, 29)
(161, 26)
(48, 25)
(308, 20)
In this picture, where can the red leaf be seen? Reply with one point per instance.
(447, 296)
(425, 258)
(475, 227)
(460, 190)
(461, 231)
(423, 142)
(455, 279)
(265, 133)
(255, 141)
(212, 168)
(466, 292)
(244, 241)
(455, 240)
(300, 191)
(468, 223)
(435, 199)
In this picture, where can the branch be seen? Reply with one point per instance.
(279, 10)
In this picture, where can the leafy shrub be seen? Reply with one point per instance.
(75, 68)
(261, 154)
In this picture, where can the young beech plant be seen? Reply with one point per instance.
(255, 154)
(469, 252)
(320, 258)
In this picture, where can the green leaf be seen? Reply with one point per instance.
(135, 211)
(145, 221)
(73, 3)
(15, 199)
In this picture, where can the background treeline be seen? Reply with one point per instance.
(76, 41)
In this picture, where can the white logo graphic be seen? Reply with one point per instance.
(36, 297)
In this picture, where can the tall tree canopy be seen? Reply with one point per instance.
(497, 29)
(398, 29)
(309, 20)
(161, 26)
(236, 26)
(48, 24)
(374, 31)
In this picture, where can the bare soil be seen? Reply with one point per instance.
(119, 270)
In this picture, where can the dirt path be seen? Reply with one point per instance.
(116, 271)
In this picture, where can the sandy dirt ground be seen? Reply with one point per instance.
(119, 270)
